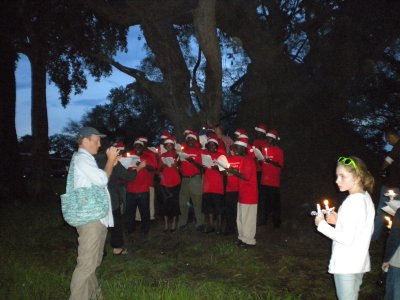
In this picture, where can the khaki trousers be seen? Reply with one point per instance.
(84, 285)
(247, 222)
(191, 189)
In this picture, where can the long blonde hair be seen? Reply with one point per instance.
(366, 179)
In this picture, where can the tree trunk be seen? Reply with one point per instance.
(11, 184)
(40, 143)
(206, 32)
(177, 103)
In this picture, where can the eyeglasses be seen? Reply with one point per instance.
(348, 162)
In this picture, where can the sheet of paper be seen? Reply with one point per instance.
(394, 204)
(222, 162)
(169, 161)
(207, 161)
(389, 210)
(130, 161)
(258, 154)
(182, 156)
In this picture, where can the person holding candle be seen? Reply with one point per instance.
(390, 172)
(270, 184)
(354, 224)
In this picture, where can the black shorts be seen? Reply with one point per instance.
(213, 204)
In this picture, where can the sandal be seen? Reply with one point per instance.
(122, 251)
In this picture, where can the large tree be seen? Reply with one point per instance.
(57, 38)
(310, 61)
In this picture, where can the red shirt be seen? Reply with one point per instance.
(212, 180)
(141, 183)
(169, 176)
(248, 192)
(187, 168)
(153, 157)
(271, 175)
(232, 182)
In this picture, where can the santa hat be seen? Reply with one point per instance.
(261, 128)
(138, 141)
(241, 142)
(143, 139)
(187, 131)
(170, 140)
(273, 134)
(243, 136)
(240, 131)
(191, 134)
(212, 138)
(119, 145)
(164, 135)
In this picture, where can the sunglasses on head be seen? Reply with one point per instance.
(348, 162)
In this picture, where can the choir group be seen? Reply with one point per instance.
(208, 182)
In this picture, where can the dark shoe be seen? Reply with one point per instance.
(183, 227)
(165, 230)
(218, 232)
(246, 246)
(238, 242)
(172, 230)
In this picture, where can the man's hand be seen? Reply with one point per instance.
(112, 154)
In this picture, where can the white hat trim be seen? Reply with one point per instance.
(212, 140)
(192, 136)
(260, 129)
(138, 142)
(169, 141)
(241, 143)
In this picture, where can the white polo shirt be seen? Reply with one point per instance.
(87, 173)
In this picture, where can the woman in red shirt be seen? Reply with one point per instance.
(170, 182)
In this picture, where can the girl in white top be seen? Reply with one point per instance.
(354, 227)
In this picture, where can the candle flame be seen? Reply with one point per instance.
(326, 202)
(389, 220)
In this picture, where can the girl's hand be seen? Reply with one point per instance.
(331, 218)
(318, 219)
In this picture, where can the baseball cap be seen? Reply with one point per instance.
(86, 132)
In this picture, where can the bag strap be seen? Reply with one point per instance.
(70, 177)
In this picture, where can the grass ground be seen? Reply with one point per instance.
(38, 254)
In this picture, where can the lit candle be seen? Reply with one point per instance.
(389, 220)
(128, 154)
(266, 152)
(391, 193)
(326, 203)
(318, 208)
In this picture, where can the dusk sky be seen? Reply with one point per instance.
(96, 92)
